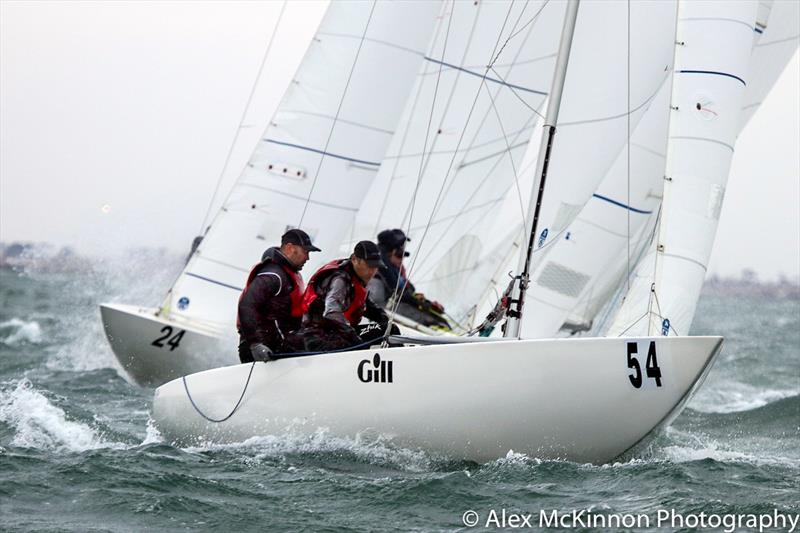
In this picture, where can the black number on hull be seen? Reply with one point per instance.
(167, 331)
(636, 379)
(173, 341)
(652, 369)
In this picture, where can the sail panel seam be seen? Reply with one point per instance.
(344, 121)
(620, 204)
(621, 115)
(487, 78)
(706, 139)
(213, 281)
(714, 73)
(323, 152)
(689, 259)
(721, 19)
(419, 53)
(297, 197)
(779, 41)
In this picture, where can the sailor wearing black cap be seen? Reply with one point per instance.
(391, 279)
(335, 301)
(271, 304)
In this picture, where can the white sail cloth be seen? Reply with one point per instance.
(777, 36)
(319, 153)
(712, 62)
(592, 129)
(776, 40)
(477, 130)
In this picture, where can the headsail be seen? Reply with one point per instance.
(712, 57)
(319, 153)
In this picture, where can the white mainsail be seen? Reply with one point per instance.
(319, 153)
(712, 59)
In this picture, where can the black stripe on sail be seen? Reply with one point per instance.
(488, 78)
(214, 281)
(713, 73)
(620, 204)
(337, 156)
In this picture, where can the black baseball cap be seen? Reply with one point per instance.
(393, 239)
(300, 238)
(369, 252)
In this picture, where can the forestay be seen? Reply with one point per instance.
(320, 152)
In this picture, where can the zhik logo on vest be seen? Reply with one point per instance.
(376, 372)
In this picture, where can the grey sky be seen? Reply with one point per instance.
(116, 117)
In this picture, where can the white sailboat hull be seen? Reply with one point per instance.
(555, 398)
(153, 349)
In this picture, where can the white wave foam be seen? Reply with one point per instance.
(734, 397)
(152, 435)
(368, 447)
(40, 424)
(690, 447)
(20, 331)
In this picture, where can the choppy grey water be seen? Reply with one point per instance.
(77, 452)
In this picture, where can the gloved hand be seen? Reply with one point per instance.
(261, 352)
(436, 306)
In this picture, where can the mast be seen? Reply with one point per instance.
(518, 294)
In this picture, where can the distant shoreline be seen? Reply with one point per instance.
(44, 257)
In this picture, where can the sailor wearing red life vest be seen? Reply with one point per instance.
(271, 304)
(335, 301)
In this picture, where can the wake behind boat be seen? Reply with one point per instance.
(587, 400)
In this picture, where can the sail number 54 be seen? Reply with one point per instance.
(651, 367)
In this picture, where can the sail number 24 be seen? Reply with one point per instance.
(168, 339)
(651, 367)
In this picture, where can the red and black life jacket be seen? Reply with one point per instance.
(358, 303)
(296, 295)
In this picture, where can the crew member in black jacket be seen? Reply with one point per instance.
(271, 304)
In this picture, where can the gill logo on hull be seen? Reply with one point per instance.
(375, 371)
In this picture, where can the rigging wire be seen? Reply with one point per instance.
(242, 118)
(396, 300)
(447, 185)
(515, 93)
(396, 304)
(628, 148)
(495, 56)
(338, 110)
(510, 157)
(667, 180)
(463, 132)
(473, 143)
(448, 102)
